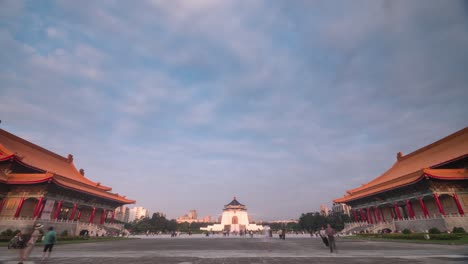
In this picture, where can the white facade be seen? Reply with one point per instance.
(137, 213)
(342, 208)
(234, 219)
(122, 213)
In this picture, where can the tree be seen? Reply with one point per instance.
(314, 221)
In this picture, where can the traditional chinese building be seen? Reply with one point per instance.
(37, 185)
(234, 219)
(424, 189)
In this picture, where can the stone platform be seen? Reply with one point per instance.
(243, 250)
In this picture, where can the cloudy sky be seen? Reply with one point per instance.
(184, 104)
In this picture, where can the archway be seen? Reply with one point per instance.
(235, 220)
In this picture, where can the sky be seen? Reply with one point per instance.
(184, 104)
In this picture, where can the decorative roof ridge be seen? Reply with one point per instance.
(354, 190)
(438, 142)
(97, 186)
(103, 193)
(30, 144)
(444, 170)
(81, 173)
(421, 171)
(5, 150)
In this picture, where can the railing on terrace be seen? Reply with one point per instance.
(435, 216)
(3, 218)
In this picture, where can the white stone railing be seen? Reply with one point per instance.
(441, 222)
(10, 218)
(29, 221)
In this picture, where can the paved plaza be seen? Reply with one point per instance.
(214, 250)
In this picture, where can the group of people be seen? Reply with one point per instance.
(26, 242)
(328, 237)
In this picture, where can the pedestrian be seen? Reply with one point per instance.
(323, 235)
(283, 234)
(17, 241)
(31, 242)
(331, 238)
(49, 240)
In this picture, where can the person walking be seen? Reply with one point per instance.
(323, 235)
(49, 240)
(31, 242)
(331, 238)
(283, 234)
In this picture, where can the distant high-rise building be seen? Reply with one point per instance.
(192, 217)
(193, 214)
(138, 213)
(341, 208)
(207, 219)
(323, 210)
(122, 213)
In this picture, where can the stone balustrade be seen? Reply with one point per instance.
(417, 224)
(25, 224)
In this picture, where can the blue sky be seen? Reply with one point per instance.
(183, 104)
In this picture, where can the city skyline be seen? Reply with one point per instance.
(184, 104)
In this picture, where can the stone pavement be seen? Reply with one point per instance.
(214, 250)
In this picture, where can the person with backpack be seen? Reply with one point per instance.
(24, 254)
(16, 242)
(331, 238)
(49, 240)
(323, 236)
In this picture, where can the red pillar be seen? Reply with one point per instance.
(369, 215)
(20, 206)
(423, 207)
(38, 207)
(455, 198)
(57, 211)
(439, 205)
(373, 215)
(2, 204)
(91, 217)
(377, 212)
(363, 217)
(112, 217)
(356, 219)
(410, 209)
(72, 215)
(397, 211)
(39, 214)
(382, 214)
(103, 216)
(391, 212)
(79, 216)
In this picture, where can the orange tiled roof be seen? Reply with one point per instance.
(412, 167)
(50, 162)
(29, 178)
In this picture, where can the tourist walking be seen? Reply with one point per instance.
(331, 238)
(24, 254)
(283, 234)
(49, 240)
(323, 235)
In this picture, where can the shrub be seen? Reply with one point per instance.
(64, 233)
(8, 233)
(434, 230)
(458, 230)
(414, 236)
(406, 231)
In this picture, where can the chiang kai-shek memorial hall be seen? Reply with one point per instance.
(37, 185)
(423, 189)
(234, 219)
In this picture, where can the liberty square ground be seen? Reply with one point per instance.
(217, 249)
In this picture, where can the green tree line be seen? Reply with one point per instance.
(309, 222)
(313, 221)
